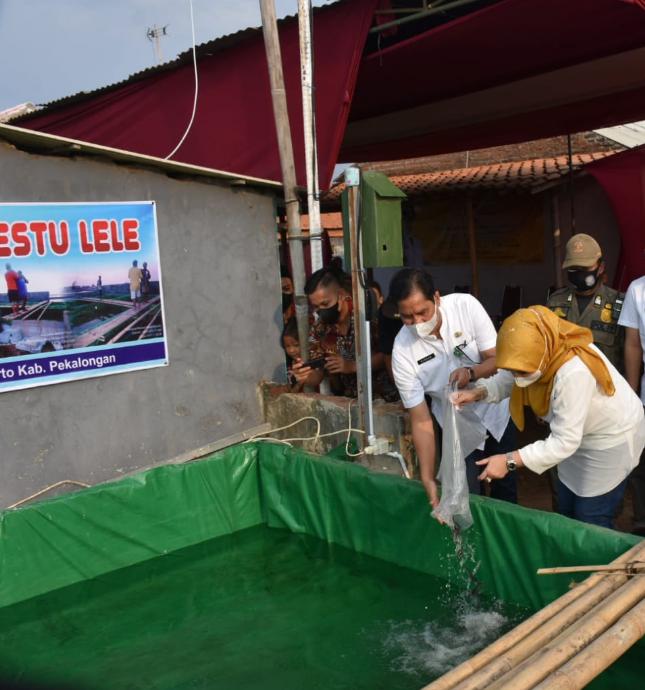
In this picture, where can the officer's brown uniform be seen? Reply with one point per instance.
(600, 316)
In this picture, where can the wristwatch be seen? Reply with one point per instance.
(471, 374)
(511, 464)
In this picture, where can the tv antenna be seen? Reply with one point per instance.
(154, 35)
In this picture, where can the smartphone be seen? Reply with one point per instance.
(317, 363)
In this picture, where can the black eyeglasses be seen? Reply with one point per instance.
(459, 353)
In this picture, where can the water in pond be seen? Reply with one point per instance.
(261, 608)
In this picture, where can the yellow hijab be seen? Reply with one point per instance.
(535, 338)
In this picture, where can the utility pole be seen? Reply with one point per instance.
(154, 36)
(285, 145)
(309, 126)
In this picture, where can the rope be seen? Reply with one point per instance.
(46, 489)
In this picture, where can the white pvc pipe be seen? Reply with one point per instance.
(308, 119)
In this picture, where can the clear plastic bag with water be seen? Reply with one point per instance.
(463, 432)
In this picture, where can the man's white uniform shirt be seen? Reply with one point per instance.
(422, 366)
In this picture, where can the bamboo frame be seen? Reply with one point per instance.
(573, 640)
(600, 654)
(450, 680)
(630, 568)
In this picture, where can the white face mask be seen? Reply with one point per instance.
(425, 329)
(524, 381)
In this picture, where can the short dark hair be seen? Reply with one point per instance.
(407, 280)
(324, 277)
(375, 285)
(290, 329)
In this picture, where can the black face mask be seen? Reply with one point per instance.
(583, 280)
(287, 300)
(330, 315)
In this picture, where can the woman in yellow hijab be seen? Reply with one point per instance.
(597, 425)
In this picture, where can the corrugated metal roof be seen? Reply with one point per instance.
(38, 142)
(630, 135)
(202, 50)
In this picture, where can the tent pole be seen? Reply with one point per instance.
(472, 246)
(557, 241)
(309, 127)
(285, 145)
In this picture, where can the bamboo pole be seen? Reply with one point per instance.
(285, 146)
(630, 568)
(600, 654)
(574, 639)
(466, 669)
(542, 635)
(472, 246)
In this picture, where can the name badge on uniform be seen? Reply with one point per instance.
(425, 359)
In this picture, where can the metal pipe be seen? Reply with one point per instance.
(309, 127)
(285, 146)
(421, 15)
(358, 299)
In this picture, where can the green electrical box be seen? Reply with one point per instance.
(380, 224)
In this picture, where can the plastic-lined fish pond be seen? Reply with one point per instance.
(263, 567)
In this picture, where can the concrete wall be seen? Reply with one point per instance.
(593, 215)
(222, 307)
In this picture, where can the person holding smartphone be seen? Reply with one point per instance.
(332, 335)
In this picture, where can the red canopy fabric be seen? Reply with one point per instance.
(514, 71)
(510, 72)
(234, 128)
(622, 176)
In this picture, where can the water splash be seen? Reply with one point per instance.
(434, 647)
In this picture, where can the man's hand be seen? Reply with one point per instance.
(433, 492)
(460, 376)
(494, 467)
(335, 364)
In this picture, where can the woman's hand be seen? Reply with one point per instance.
(336, 364)
(494, 467)
(467, 397)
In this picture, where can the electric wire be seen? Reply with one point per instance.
(192, 117)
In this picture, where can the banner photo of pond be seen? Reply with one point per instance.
(82, 292)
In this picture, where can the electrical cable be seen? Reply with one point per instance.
(192, 117)
(316, 436)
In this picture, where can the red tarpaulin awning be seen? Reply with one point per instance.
(514, 71)
(622, 176)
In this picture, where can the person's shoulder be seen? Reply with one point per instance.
(574, 367)
(610, 294)
(460, 300)
(637, 286)
(558, 295)
(404, 339)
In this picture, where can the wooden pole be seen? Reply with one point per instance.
(285, 146)
(451, 680)
(472, 246)
(557, 241)
(629, 568)
(600, 654)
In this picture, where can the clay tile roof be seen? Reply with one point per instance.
(518, 176)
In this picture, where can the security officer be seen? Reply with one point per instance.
(588, 301)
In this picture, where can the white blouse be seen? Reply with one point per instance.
(595, 440)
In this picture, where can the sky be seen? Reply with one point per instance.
(54, 48)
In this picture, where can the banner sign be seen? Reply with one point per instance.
(82, 292)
